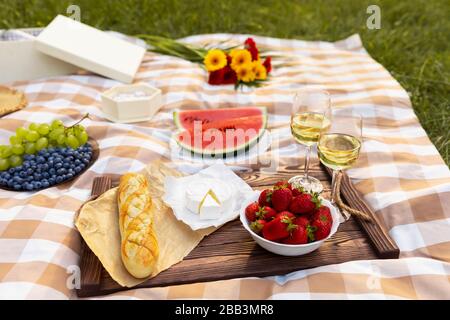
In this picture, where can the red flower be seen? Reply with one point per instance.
(268, 64)
(230, 76)
(229, 59)
(250, 45)
(226, 75)
(216, 77)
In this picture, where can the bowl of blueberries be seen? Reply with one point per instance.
(48, 168)
(45, 155)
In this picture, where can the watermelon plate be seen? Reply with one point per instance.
(220, 132)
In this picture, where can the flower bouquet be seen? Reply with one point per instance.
(238, 66)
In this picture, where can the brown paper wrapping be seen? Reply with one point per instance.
(98, 224)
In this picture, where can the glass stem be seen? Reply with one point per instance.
(308, 152)
(333, 185)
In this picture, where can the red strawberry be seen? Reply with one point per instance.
(302, 221)
(304, 203)
(279, 228)
(258, 225)
(265, 198)
(297, 236)
(282, 184)
(287, 214)
(297, 191)
(251, 211)
(266, 213)
(321, 223)
(323, 211)
(281, 198)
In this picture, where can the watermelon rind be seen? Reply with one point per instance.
(227, 151)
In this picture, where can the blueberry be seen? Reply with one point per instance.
(28, 186)
(17, 187)
(58, 165)
(29, 172)
(86, 161)
(51, 181)
(52, 171)
(66, 165)
(11, 170)
(32, 163)
(59, 179)
(62, 171)
(33, 167)
(23, 174)
(40, 159)
(77, 169)
(51, 150)
(45, 175)
(37, 176)
(3, 181)
(11, 183)
(69, 159)
(37, 185)
(45, 184)
(50, 163)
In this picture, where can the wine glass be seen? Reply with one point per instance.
(310, 116)
(339, 147)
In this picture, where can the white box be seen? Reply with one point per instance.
(91, 49)
(133, 110)
(19, 60)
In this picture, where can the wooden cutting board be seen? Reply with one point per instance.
(230, 252)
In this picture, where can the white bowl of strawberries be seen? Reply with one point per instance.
(288, 221)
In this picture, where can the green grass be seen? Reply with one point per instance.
(413, 42)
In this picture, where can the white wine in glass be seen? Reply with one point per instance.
(310, 116)
(339, 147)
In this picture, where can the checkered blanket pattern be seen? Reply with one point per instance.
(400, 174)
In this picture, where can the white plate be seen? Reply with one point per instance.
(175, 191)
(288, 249)
(257, 149)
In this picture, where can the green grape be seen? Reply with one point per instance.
(42, 143)
(33, 126)
(82, 137)
(54, 134)
(57, 124)
(30, 148)
(15, 140)
(15, 161)
(44, 129)
(18, 149)
(21, 132)
(61, 140)
(7, 152)
(72, 141)
(32, 136)
(4, 164)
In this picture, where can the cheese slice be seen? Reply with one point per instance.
(208, 197)
(210, 207)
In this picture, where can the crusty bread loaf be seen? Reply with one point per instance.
(139, 244)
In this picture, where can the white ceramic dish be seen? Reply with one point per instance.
(131, 110)
(288, 249)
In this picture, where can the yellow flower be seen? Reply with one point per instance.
(245, 72)
(215, 59)
(239, 58)
(259, 70)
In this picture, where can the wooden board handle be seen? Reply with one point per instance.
(381, 241)
(90, 267)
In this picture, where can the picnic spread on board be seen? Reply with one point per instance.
(195, 176)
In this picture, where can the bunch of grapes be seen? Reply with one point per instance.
(31, 140)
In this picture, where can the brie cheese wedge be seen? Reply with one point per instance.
(208, 197)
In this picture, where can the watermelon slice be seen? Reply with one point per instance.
(220, 131)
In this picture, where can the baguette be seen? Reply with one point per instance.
(139, 246)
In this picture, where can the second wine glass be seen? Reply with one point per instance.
(310, 116)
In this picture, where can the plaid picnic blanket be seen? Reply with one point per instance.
(400, 174)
